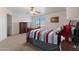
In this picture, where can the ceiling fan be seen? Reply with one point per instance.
(34, 11)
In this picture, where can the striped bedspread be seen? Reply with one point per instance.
(47, 36)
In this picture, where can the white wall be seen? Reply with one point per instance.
(3, 23)
(72, 13)
(15, 26)
(19, 17)
(62, 19)
(16, 17)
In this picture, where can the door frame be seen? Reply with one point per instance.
(9, 34)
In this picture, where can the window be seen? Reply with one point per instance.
(40, 21)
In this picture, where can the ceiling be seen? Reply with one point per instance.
(43, 10)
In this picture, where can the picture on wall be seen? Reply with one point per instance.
(54, 19)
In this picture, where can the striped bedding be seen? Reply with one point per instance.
(47, 36)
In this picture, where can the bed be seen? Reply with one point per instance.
(47, 40)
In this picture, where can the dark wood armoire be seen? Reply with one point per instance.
(22, 27)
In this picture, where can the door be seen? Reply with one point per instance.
(9, 25)
(22, 27)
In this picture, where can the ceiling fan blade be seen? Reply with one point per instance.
(37, 11)
(32, 8)
(33, 11)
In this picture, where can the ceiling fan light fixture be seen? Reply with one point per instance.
(33, 11)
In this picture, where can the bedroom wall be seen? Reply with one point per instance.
(19, 17)
(15, 26)
(3, 23)
(22, 17)
(15, 23)
(62, 19)
(72, 13)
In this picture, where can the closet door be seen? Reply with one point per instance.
(22, 27)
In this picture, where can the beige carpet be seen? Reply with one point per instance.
(17, 43)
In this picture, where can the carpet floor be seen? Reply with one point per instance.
(17, 43)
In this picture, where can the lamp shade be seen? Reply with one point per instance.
(73, 13)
